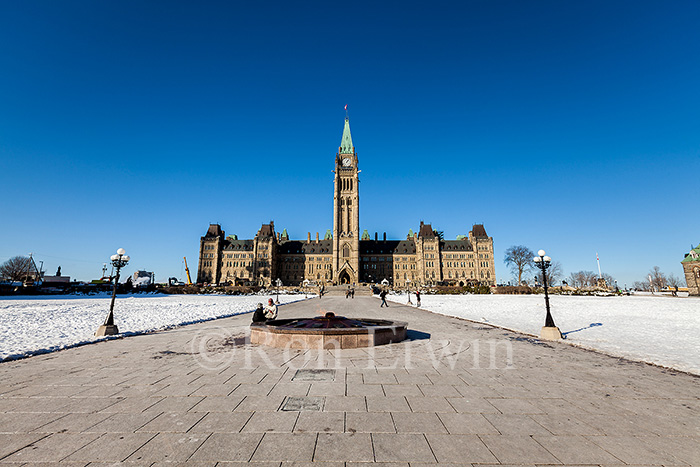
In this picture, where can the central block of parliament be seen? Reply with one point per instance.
(344, 256)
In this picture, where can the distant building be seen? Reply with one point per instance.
(691, 269)
(344, 256)
(142, 279)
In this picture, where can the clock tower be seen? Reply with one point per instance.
(346, 216)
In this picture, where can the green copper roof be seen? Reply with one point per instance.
(346, 146)
(329, 235)
(285, 235)
(690, 257)
(365, 235)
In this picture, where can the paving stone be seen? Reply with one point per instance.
(227, 447)
(327, 389)
(172, 422)
(314, 375)
(286, 447)
(575, 450)
(418, 423)
(363, 422)
(401, 448)
(513, 449)
(291, 389)
(262, 422)
(176, 404)
(222, 422)
(516, 424)
(459, 449)
(429, 404)
(345, 404)
(359, 389)
(13, 423)
(303, 404)
(10, 443)
(111, 447)
(52, 448)
(218, 404)
(341, 447)
(399, 390)
(637, 450)
(72, 423)
(260, 403)
(515, 406)
(122, 422)
(132, 405)
(463, 405)
(559, 424)
(387, 404)
(467, 423)
(320, 422)
(171, 447)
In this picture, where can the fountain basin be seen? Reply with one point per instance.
(327, 332)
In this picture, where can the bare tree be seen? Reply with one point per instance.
(16, 268)
(609, 280)
(673, 281)
(582, 279)
(658, 279)
(641, 285)
(554, 274)
(519, 259)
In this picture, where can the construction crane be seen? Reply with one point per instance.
(187, 270)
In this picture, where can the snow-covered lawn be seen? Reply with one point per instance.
(656, 329)
(37, 324)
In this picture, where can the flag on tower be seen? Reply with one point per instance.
(346, 107)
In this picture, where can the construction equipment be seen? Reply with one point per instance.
(187, 270)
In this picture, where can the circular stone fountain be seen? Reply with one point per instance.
(327, 332)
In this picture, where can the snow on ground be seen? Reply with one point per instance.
(46, 323)
(656, 329)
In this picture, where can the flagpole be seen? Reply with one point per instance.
(600, 276)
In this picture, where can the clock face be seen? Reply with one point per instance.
(346, 162)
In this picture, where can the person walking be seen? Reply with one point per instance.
(352, 292)
(347, 293)
(382, 295)
(409, 302)
(418, 298)
(270, 310)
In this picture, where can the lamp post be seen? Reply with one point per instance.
(278, 283)
(109, 328)
(549, 331)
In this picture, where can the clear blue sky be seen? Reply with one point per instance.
(568, 126)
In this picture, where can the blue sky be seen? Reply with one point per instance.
(568, 126)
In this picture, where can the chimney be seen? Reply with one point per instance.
(278, 236)
(316, 237)
(308, 237)
(376, 236)
(385, 236)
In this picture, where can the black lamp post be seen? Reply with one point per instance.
(550, 330)
(109, 328)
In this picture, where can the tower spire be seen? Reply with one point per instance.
(346, 146)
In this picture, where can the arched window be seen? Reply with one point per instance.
(346, 251)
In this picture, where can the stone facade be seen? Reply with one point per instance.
(345, 256)
(691, 269)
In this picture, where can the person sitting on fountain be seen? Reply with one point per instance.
(259, 314)
(270, 310)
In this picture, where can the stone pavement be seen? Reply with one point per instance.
(456, 393)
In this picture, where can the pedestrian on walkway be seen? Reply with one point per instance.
(409, 302)
(418, 298)
(347, 293)
(352, 292)
(259, 314)
(382, 295)
(271, 310)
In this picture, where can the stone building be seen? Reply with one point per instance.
(344, 256)
(691, 269)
